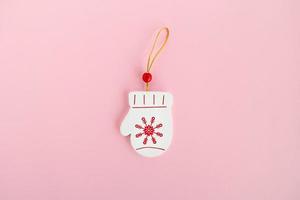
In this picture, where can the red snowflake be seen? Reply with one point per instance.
(148, 130)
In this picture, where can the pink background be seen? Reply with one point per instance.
(65, 70)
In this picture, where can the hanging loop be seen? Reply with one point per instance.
(151, 57)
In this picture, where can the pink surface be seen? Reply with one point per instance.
(66, 68)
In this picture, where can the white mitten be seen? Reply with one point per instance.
(149, 121)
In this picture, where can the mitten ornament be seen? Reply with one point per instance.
(149, 120)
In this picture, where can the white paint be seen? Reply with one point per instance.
(149, 104)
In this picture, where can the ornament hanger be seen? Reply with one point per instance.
(147, 76)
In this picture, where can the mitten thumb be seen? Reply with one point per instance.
(126, 127)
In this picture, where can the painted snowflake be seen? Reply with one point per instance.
(148, 130)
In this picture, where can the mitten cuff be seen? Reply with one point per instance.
(151, 99)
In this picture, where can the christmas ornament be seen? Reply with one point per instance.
(149, 120)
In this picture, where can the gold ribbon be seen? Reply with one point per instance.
(152, 58)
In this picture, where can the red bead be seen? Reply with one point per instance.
(147, 77)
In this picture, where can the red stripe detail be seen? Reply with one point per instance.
(150, 148)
